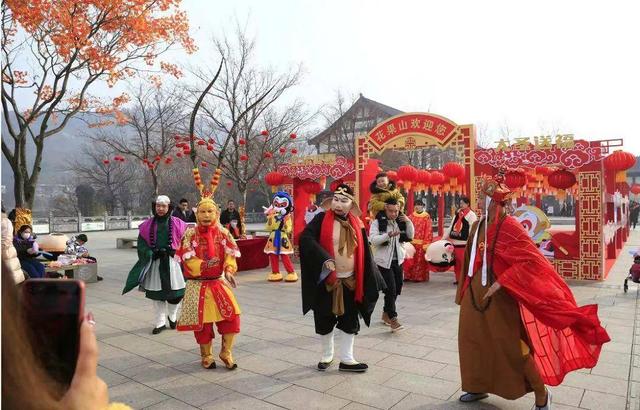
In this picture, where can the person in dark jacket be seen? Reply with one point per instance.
(184, 213)
(340, 281)
(230, 219)
(27, 248)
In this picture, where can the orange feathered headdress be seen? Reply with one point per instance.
(206, 195)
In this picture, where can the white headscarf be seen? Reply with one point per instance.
(163, 200)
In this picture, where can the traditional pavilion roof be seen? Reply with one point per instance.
(362, 102)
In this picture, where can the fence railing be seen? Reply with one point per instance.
(80, 223)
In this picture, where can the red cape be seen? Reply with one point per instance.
(563, 336)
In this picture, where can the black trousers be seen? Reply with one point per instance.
(394, 279)
(324, 318)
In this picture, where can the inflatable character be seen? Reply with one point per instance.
(440, 255)
(535, 222)
(279, 246)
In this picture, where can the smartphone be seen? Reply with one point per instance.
(54, 310)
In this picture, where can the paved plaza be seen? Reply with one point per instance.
(277, 349)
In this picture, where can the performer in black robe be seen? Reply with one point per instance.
(339, 278)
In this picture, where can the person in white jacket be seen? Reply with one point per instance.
(387, 233)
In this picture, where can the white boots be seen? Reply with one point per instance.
(344, 350)
(162, 310)
(327, 351)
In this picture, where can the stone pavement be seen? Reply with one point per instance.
(277, 350)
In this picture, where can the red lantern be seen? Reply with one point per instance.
(168, 160)
(145, 160)
(293, 136)
(423, 179)
(452, 170)
(515, 179)
(283, 150)
(243, 158)
(204, 164)
(562, 179)
(229, 183)
(209, 147)
(176, 137)
(312, 188)
(268, 155)
(202, 142)
(179, 154)
(635, 189)
(106, 161)
(392, 175)
(158, 158)
(294, 151)
(620, 161)
(242, 142)
(437, 179)
(274, 179)
(264, 133)
(408, 174)
(186, 151)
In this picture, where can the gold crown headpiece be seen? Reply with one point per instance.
(207, 194)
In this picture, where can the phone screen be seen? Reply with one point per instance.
(53, 309)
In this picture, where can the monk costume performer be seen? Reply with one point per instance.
(422, 238)
(208, 253)
(520, 327)
(158, 272)
(339, 278)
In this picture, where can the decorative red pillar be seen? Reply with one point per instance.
(440, 214)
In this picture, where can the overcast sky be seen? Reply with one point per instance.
(567, 65)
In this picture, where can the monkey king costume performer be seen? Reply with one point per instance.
(279, 245)
(422, 238)
(157, 271)
(208, 253)
(520, 327)
(339, 278)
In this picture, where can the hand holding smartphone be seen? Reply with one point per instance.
(53, 311)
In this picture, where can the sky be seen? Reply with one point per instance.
(536, 67)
